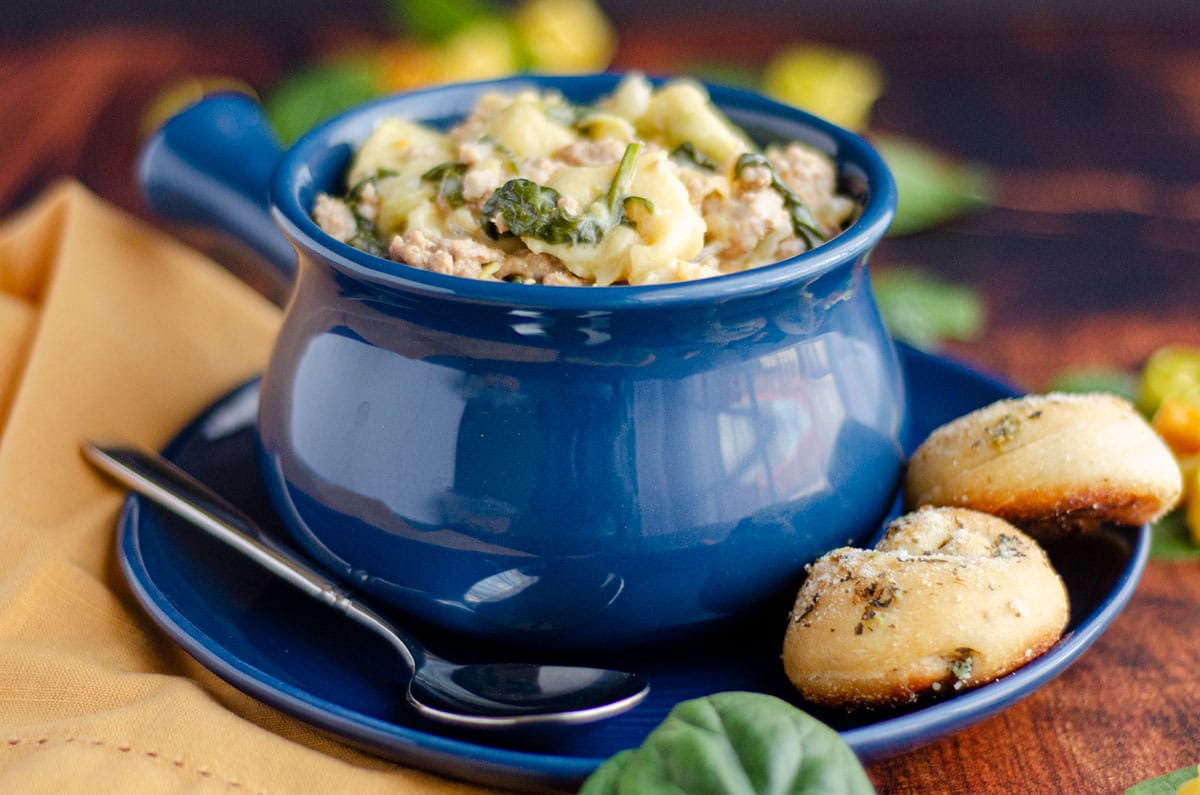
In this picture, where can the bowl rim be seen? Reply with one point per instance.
(293, 176)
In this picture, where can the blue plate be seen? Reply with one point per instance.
(304, 659)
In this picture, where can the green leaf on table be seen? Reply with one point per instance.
(1170, 539)
(1164, 785)
(932, 187)
(437, 20)
(924, 310)
(735, 743)
(1096, 379)
(319, 92)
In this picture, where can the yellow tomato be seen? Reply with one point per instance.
(1189, 787)
(565, 35)
(836, 85)
(1189, 465)
(409, 64)
(475, 52)
(478, 51)
(1191, 510)
(1170, 370)
(1177, 421)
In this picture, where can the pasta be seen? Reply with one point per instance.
(649, 185)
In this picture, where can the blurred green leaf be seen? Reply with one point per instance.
(735, 742)
(318, 92)
(727, 73)
(932, 187)
(1164, 785)
(1096, 379)
(436, 20)
(1170, 539)
(924, 310)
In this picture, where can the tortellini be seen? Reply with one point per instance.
(649, 185)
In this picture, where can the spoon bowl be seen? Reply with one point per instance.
(491, 695)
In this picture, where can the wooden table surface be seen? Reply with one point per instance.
(1090, 256)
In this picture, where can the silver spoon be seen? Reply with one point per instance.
(481, 695)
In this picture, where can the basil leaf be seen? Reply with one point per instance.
(1170, 538)
(923, 310)
(1164, 785)
(1096, 379)
(931, 187)
(735, 743)
(318, 92)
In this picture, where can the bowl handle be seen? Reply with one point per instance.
(211, 165)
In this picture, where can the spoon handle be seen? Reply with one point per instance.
(165, 484)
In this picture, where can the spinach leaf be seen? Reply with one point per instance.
(736, 743)
(449, 179)
(510, 157)
(804, 225)
(523, 208)
(366, 234)
(618, 191)
(354, 195)
(526, 209)
(687, 153)
(367, 238)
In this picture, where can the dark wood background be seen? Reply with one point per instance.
(1089, 116)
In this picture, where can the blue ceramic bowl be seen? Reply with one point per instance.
(562, 468)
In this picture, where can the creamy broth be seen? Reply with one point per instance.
(649, 185)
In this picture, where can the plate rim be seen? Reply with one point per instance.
(496, 766)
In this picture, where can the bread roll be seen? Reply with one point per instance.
(1048, 463)
(948, 600)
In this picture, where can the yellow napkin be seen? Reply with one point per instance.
(110, 328)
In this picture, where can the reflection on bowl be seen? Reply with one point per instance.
(630, 465)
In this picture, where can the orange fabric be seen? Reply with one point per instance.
(110, 328)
